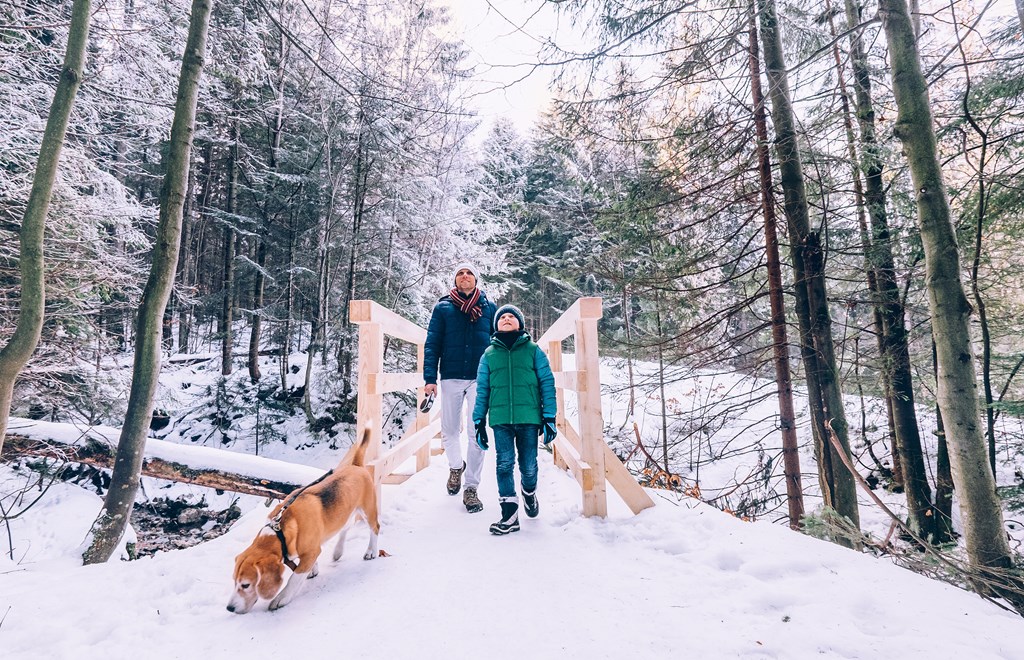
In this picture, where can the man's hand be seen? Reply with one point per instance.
(549, 430)
(481, 434)
(430, 388)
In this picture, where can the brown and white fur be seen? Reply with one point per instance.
(315, 515)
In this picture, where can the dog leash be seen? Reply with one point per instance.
(275, 523)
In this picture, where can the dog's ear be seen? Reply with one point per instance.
(271, 571)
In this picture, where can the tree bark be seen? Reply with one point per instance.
(100, 454)
(896, 367)
(780, 342)
(807, 264)
(228, 306)
(32, 269)
(957, 386)
(109, 527)
(257, 311)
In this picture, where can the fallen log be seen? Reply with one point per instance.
(99, 452)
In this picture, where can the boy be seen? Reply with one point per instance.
(516, 389)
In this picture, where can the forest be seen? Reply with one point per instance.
(814, 196)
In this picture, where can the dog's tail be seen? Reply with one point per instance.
(357, 453)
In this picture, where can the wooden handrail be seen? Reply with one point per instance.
(565, 326)
(368, 311)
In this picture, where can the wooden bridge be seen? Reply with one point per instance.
(583, 451)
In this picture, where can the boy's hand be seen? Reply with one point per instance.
(481, 434)
(549, 430)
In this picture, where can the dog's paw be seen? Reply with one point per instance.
(314, 572)
(370, 554)
(276, 604)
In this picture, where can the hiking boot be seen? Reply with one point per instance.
(531, 504)
(472, 502)
(509, 517)
(455, 480)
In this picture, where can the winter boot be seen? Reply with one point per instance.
(470, 499)
(509, 517)
(531, 504)
(455, 479)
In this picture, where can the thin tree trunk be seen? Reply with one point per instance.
(943, 472)
(257, 311)
(780, 341)
(950, 311)
(896, 474)
(896, 367)
(31, 267)
(807, 263)
(228, 306)
(979, 233)
(109, 527)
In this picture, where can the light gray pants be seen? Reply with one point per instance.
(454, 394)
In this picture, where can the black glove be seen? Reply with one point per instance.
(549, 430)
(481, 434)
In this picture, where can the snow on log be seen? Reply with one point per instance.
(193, 464)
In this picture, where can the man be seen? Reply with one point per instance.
(459, 333)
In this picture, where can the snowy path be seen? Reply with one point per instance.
(681, 580)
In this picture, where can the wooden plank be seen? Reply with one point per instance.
(580, 470)
(368, 403)
(395, 479)
(382, 383)
(632, 493)
(406, 447)
(574, 381)
(367, 311)
(583, 308)
(592, 444)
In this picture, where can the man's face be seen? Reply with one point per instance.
(465, 280)
(508, 322)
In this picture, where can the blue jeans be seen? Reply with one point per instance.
(509, 439)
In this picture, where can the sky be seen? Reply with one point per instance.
(681, 579)
(504, 37)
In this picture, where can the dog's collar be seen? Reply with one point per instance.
(275, 526)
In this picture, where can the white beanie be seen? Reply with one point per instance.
(465, 265)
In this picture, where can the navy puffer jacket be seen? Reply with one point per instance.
(455, 342)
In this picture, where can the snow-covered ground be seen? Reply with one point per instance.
(679, 580)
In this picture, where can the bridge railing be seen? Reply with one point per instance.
(374, 322)
(584, 452)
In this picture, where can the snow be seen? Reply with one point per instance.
(681, 579)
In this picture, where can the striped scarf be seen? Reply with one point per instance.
(470, 306)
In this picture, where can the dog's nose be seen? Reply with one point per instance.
(231, 608)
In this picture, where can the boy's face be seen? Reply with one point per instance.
(508, 322)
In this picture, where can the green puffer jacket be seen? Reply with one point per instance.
(515, 386)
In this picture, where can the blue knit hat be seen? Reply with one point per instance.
(514, 311)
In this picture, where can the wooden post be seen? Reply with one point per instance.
(368, 402)
(592, 446)
(422, 418)
(555, 358)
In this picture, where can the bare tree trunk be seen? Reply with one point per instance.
(896, 367)
(780, 342)
(943, 472)
(228, 307)
(29, 326)
(950, 311)
(109, 527)
(1020, 14)
(257, 311)
(979, 233)
(807, 262)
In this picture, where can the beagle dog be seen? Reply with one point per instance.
(299, 525)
